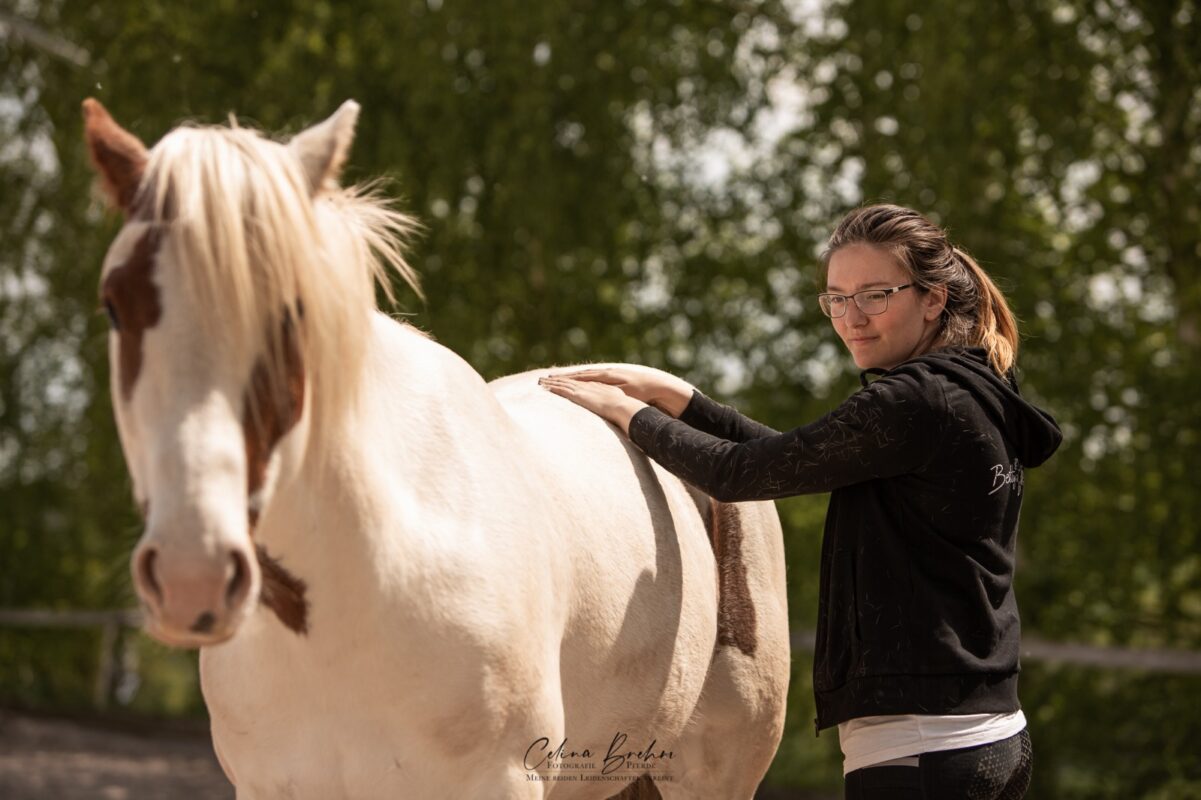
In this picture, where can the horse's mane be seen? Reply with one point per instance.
(255, 252)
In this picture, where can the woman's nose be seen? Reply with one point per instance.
(854, 317)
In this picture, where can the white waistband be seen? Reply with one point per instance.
(870, 741)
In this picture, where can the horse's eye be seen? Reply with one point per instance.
(112, 314)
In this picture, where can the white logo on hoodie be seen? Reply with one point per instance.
(1003, 475)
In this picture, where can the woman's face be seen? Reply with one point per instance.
(904, 330)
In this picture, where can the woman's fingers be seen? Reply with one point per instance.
(571, 385)
(575, 391)
(558, 385)
(599, 375)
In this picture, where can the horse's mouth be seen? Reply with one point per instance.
(206, 631)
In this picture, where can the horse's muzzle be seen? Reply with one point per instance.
(193, 600)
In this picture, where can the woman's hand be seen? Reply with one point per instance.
(602, 399)
(662, 390)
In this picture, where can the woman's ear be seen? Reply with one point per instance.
(933, 302)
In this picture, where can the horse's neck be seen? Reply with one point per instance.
(423, 423)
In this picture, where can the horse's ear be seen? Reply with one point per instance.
(118, 156)
(322, 149)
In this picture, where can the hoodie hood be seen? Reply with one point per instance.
(1032, 431)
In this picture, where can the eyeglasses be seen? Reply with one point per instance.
(870, 301)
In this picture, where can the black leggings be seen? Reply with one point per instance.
(995, 771)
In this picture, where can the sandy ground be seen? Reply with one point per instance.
(57, 759)
(52, 758)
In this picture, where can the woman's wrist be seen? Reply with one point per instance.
(674, 398)
(623, 411)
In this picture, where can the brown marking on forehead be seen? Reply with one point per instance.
(736, 623)
(134, 297)
(271, 408)
(283, 593)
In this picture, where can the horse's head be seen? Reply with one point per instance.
(220, 292)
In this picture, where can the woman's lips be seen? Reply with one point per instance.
(861, 340)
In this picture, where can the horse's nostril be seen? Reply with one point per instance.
(146, 574)
(239, 582)
(204, 623)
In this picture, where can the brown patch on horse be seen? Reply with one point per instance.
(270, 408)
(134, 300)
(119, 156)
(642, 789)
(735, 609)
(283, 593)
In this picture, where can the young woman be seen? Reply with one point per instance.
(916, 659)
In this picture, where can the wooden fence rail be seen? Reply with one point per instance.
(1147, 659)
(113, 624)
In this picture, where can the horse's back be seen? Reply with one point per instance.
(737, 573)
(643, 597)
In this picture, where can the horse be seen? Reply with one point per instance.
(405, 581)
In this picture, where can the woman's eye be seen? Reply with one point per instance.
(112, 315)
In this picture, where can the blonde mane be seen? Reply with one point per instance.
(255, 250)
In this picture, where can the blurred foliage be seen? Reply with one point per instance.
(650, 181)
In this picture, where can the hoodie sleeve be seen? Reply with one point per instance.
(889, 428)
(709, 416)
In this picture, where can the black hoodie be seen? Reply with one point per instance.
(917, 613)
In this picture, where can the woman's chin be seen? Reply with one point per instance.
(864, 361)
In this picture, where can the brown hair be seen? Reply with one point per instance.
(976, 314)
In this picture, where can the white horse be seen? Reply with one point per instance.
(405, 582)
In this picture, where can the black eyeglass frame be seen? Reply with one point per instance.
(855, 297)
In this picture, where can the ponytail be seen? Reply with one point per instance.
(996, 329)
